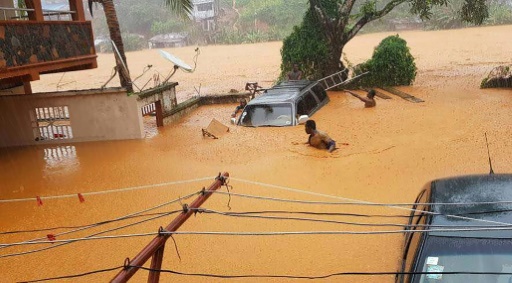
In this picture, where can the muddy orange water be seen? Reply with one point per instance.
(392, 151)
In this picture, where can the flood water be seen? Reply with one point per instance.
(392, 151)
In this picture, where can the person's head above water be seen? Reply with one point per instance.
(371, 93)
(310, 126)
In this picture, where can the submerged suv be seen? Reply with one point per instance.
(286, 104)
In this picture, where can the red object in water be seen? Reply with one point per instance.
(39, 201)
(81, 197)
(51, 237)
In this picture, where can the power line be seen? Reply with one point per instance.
(81, 239)
(270, 212)
(119, 218)
(382, 232)
(365, 215)
(275, 233)
(354, 202)
(74, 275)
(320, 276)
(244, 215)
(365, 203)
(64, 242)
(210, 275)
(109, 191)
(79, 226)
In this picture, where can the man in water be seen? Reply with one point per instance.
(318, 138)
(295, 74)
(369, 100)
(239, 108)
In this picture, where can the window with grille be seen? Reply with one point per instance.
(51, 123)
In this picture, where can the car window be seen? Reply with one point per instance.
(301, 108)
(452, 254)
(319, 92)
(267, 115)
(310, 102)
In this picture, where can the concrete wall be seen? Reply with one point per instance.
(94, 115)
(189, 105)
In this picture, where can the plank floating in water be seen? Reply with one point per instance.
(403, 95)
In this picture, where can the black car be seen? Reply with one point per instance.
(478, 203)
(286, 104)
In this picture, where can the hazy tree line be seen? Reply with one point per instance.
(249, 21)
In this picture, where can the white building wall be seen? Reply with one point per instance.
(94, 115)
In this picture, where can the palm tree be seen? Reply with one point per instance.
(181, 8)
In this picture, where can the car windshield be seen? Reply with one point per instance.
(277, 115)
(451, 254)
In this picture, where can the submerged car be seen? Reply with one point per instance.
(286, 104)
(440, 242)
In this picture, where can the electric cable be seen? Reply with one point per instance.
(274, 233)
(128, 215)
(357, 203)
(64, 242)
(235, 214)
(73, 276)
(78, 226)
(320, 276)
(109, 191)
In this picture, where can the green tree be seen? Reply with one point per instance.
(182, 8)
(338, 21)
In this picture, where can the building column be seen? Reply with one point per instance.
(27, 87)
(37, 14)
(78, 8)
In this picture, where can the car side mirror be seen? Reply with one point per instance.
(303, 119)
(233, 121)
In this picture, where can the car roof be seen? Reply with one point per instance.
(284, 92)
(491, 191)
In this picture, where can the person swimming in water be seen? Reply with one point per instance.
(318, 138)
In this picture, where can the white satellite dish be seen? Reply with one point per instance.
(176, 61)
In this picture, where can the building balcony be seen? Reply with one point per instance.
(37, 45)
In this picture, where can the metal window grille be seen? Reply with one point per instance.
(51, 123)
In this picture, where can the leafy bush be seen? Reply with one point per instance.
(391, 64)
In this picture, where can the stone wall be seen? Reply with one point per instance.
(23, 43)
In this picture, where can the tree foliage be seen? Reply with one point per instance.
(145, 18)
(306, 46)
(341, 20)
(391, 64)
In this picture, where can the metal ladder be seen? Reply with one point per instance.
(333, 80)
(336, 79)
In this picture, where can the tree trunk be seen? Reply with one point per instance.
(334, 63)
(115, 35)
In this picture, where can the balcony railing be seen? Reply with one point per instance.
(22, 14)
